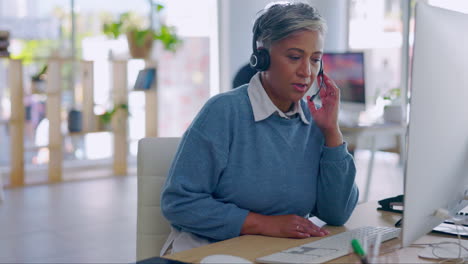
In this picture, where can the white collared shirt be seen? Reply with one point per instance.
(263, 107)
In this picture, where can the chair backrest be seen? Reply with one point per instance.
(155, 156)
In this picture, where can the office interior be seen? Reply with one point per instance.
(68, 192)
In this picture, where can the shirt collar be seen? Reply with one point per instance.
(262, 105)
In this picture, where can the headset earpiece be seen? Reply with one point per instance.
(260, 59)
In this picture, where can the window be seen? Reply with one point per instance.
(40, 29)
(376, 28)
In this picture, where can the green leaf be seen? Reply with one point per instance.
(113, 30)
(392, 94)
(169, 38)
(32, 49)
(167, 35)
(124, 16)
(107, 116)
(140, 36)
(40, 74)
(159, 7)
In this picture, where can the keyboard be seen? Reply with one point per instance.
(331, 247)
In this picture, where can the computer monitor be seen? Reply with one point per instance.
(347, 70)
(436, 171)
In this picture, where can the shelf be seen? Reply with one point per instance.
(77, 134)
(34, 148)
(53, 105)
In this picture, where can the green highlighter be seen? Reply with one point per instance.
(359, 251)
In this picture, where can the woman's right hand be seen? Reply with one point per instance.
(291, 226)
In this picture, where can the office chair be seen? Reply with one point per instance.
(243, 76)
(154, 157)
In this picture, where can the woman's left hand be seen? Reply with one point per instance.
(326, 117)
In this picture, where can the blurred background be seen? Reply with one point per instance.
(215, 43)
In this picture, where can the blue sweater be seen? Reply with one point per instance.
(227, 165)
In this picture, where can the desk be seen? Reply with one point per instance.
(351, 132)
(251, 247)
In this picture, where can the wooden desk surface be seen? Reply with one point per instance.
(251, 247)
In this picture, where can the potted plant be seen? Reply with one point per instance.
(106, 118)
(393, 108)
(140, 34)
(38, 84)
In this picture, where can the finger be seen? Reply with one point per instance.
(331, 85)
(314, 230)
(300, 235)
(300, 232)
(316, 233)
(322, 230)
(304, 225)
(311, 105)
(332, 95)
(333, 90)
(324, 90)
(325, 231)
(326, 78)
(297, 231)
(319, 81)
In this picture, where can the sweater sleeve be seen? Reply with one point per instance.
(337, 193)
(187, 199)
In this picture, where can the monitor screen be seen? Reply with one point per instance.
(347, 70)
(436, 173)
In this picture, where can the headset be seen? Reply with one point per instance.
(260, 58)
(260, 61)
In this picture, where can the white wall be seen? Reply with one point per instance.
(336, 13)
(236, 18)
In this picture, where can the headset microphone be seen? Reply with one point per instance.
(321, 81)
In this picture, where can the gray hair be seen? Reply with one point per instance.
(279, 20)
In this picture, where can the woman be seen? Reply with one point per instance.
(259, 159)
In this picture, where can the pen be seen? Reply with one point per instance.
(359, 251)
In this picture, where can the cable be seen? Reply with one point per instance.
(435, 246)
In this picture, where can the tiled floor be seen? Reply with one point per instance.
(94, 221)
(87, 221)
